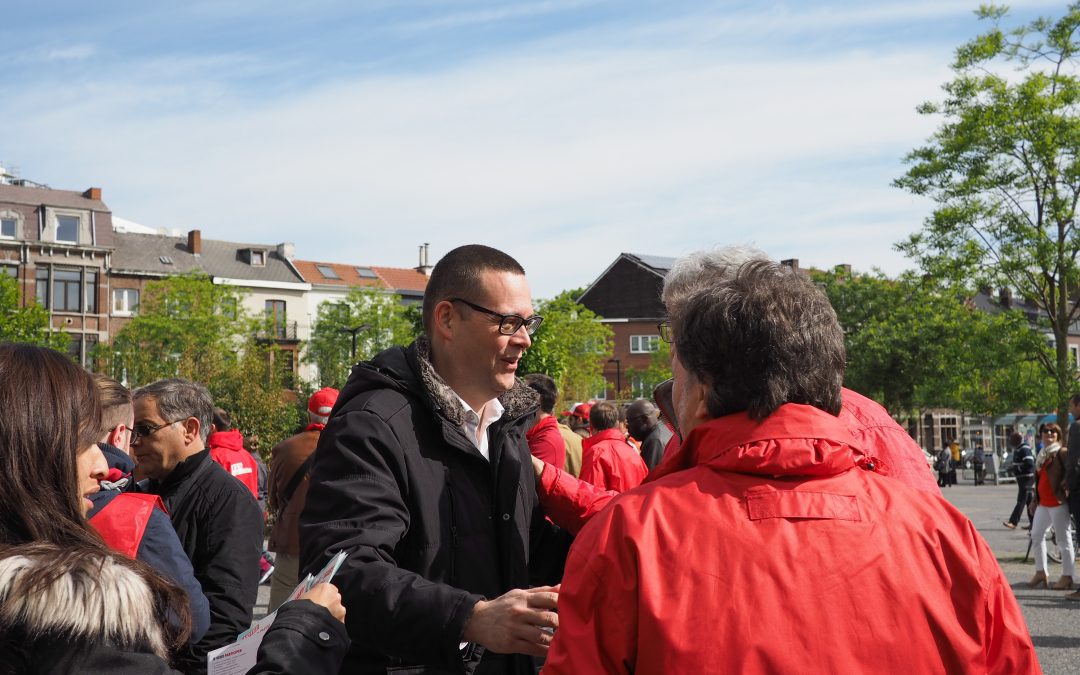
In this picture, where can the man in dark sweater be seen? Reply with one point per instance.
(643, 423)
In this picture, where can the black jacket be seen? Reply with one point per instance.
(59, 636)
(431, 526)
(1072, 459)
(1023, 461)
(652, 448)
(221, 530)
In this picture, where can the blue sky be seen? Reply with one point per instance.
(562, 131)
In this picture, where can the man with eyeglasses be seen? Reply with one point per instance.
(215, 517)
(422, 475)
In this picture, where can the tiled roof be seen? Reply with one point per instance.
(142, 253)
(394, 278)
(66, 199)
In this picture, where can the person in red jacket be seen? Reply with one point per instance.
(545, 440)
(607, 460)
(227, 449)
(775, 522)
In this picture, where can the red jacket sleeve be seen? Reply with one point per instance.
(597, 604)
(570, 502)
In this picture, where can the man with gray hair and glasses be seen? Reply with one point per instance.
(215, 516)
(773, 517)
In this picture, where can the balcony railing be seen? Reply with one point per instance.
(282, 330)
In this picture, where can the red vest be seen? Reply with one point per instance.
(122, 522)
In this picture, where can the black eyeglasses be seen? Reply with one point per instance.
(142, 430)
(665, 331)
(508, 323)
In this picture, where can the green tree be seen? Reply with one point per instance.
(26, 324)
(189, 327)
(571, 346)
(372, 317)
(1003, 169)
(913, 343)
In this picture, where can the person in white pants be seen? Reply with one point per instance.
(1051, 509)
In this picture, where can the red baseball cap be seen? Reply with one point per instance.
(322, 401)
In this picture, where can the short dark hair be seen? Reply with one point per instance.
(458, 273)
(603, 415)
(1016, 438)
(222, 420)
(545, 386)
(1050, 427)
(179, 399)
(115, 401)
(760, 338)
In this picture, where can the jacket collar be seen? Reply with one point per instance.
(181, 471)
(547, 422)
(817, 444)
(605, 435)
(516, 402)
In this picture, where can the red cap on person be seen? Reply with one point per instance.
(582, 410)
(322, 401)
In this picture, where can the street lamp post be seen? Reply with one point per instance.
(618, 376)
(353, 331)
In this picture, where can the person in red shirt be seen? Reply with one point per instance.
(607, 460)
(227, 449)
(775, 519)
(545, 440)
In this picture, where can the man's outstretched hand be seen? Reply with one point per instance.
(518, 622)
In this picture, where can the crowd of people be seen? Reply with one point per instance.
(737, 522)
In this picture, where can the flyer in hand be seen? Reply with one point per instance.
(238, 657)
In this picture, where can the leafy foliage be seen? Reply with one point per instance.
(913, 344)
(26, 324)
(571, 346)
(191, 328)
(1004, 170)
(376, 318)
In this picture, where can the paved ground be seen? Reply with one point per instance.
(1054, 622)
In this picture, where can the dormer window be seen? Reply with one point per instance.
(258, 258)
(327, 272)
(67, 229)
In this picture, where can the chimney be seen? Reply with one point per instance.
(194, 242)
(793, 263)
(286, 250)
(93, 193)
(843, 270)
(1005, 298)
(424, 268)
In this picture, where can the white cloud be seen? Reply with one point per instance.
(563, 158)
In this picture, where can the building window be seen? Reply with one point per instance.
(327, 272)
(41, 286)
(275, 313)
(950, 430)
(644, 344)
(8, 228)
(10, 270)
(125, 301)
(366, 273)
(66, 286)
(229, 308)
(90, 291)
(1074, 355)
(67, 229)
(258, 258)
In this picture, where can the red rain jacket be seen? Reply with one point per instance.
(609, 462)
(773, 551)
(546, 442)
(227, 449)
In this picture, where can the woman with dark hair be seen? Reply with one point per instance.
(1051, 509)
(67, 602)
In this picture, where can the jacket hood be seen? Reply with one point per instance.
(605, 435)
(97, 600)
(230, 440)
(409, 369)
(815, 443)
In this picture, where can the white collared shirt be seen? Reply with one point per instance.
(476, 424)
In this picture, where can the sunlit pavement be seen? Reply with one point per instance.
(1054, 622)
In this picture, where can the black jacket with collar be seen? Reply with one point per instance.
(221, 530)
(430, 526)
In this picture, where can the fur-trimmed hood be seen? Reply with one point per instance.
(410, 369)
(96, 600)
